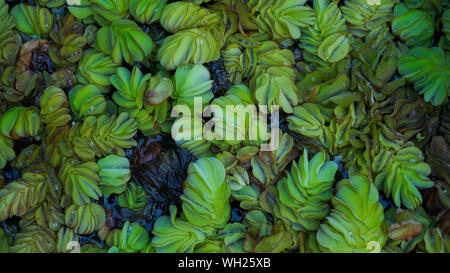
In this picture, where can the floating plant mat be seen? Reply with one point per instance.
(89, 154)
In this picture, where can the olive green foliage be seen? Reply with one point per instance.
(87, 100)
(173, 235)
(54, 107)
(355, 220)
(142, 96)
(19, 122)
(305, 192)
(114, 174)
(103, 135)
(81, 181)
(85, 219)
(123, 39)
(133, 238)
(96, 68)
(190, 46)
(429, 70)
(414, 26)
(206, 193)
(405, 174)
(33, 20)
(192, 81)
(106, 148)
(328, 38)
(147, 11)
(133, 198)
(282, 19)
(21, 195)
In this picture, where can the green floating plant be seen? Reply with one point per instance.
(414, 26)
(69, 41)
(133, 238)
(327, 40)
(277, 87)
(103, 135)
(262, 236)
(192, 81)
(282, 19)
(147, 11)
(244, 129)
(4, 248)
(6, 151)
(305, 192)
(65, 239)
(181, 15)
(51, 3)
(364, 16)
(96, 68)
(356, 220)
(87, 100)
(195, 46)
(54, 107)
(206, 193)
(19, 122)
(81, 181)
(10, 40)
(124, 40)
(142, 96)
(85, 219)
(23, 194)
(133, 198)
(34, 239)
(102, 11)
(429, 70)
(114, 174)
(174, 235)
(402, 174)
(34, 21)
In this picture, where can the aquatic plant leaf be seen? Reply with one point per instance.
(404, 175)
(182, 15)
(362, 16)
(355, 220)
(173, 235)
(114, 174)
(96, 68)
(6, 151)
(80, 181)
(192, 81)
(414, 26)
(434, 241)
(85, 219)
(282, 19)
(328, 38)
(23, 194)
(103, 135)
(133, 237)
(133, 198)
(277, 87)
(190, 46)
(147, 11)
(87, 100)
(34, 239)
(54, 107)
(305, 192)
(124, 40)
(63, 240)
(429, 70)
(33, 20)
(19, 122)
(206, 193)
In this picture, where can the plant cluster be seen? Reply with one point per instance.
(86, 93)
